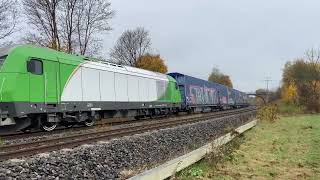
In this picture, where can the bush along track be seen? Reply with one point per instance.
(124, 157)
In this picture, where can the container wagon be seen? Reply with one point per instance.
(200, 96)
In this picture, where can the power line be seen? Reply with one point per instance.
(267, 80)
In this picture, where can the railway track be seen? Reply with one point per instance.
(45, 145)
(78, 129)
(74, 129)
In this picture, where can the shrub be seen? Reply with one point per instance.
(291, 109)
(268, 113)
(196, 172)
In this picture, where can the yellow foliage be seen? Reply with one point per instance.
(289, 93)
(152, 63)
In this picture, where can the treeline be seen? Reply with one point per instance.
(300, 87)
(301, 82)
(75, 27)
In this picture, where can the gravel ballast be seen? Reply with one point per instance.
(120, 158)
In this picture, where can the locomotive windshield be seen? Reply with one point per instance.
(4, 52)
(2, 59)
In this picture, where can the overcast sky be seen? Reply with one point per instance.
(246, 39)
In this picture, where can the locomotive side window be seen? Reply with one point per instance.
(35, 66)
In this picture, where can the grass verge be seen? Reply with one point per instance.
(290, 109)
(286, 149)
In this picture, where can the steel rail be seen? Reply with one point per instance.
(104, 122)
(26, 149)
(61, 129)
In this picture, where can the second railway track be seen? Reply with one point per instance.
(52, 144)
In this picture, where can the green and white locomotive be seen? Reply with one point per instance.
(41, 88)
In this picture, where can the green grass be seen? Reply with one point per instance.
(286, 149)
(290, 109)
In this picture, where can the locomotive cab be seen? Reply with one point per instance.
(13, 87)
(24, 86)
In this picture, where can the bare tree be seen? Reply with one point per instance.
(72, 26)
(68, 10)
(8, 17)
(92, 18)
(313, 56)
(42, 15)
(131, 45)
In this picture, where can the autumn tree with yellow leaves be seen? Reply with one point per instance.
(289, 94)
(152, 63)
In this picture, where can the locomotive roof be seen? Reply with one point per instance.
(202, 80)
(180, 74)
(49, 54)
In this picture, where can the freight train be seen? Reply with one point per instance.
(43, 88)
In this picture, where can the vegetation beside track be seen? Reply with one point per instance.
(285, 149)
(290, 109)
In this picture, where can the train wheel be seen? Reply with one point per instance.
(89, 122)
(47, 126)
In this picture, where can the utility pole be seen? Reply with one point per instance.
(267, 80)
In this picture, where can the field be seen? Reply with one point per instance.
(286, 149)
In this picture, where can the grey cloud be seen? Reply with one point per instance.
(247, 39)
